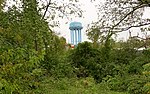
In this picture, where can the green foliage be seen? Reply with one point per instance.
(128, 70)
(74, 86)
(94, 34)
(19, 70)
(1, 4)
(116, 83)
(34, 60)
(29, 50)
(131, 83)
(146, 72)
(86, 61)
(135, 84)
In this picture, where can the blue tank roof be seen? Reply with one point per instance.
(75, 25)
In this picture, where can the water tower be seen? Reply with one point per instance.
(75, 31)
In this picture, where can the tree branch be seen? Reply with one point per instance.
(125, 29)
(134, 9)
(46, 9)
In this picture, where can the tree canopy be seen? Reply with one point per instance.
(36, 60)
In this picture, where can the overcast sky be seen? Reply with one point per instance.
(90, 15)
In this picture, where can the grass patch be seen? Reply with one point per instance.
(74, 86)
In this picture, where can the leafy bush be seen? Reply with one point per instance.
(131, 83)
(87, 61)
(147, 74)
(74, 86)
(117, 83)
(135, 84)
(20, 72)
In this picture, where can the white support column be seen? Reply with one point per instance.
(75, 34)
(71, 37)
(78, 36)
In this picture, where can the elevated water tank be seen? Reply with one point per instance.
(75, 32)
(75, 25)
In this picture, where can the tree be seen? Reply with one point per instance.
(55, 9)
(1, 2)
(19, 58)
(128, 14)
(95, 34)
(85, 59)
(122, 15)
(25, 41)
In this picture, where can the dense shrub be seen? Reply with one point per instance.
(20, 72)
(131, 83)
(135, 84)
(87, 61)
(129, 74)
(74, 86)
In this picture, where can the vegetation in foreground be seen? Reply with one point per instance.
(75, 86)
(34, 60)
